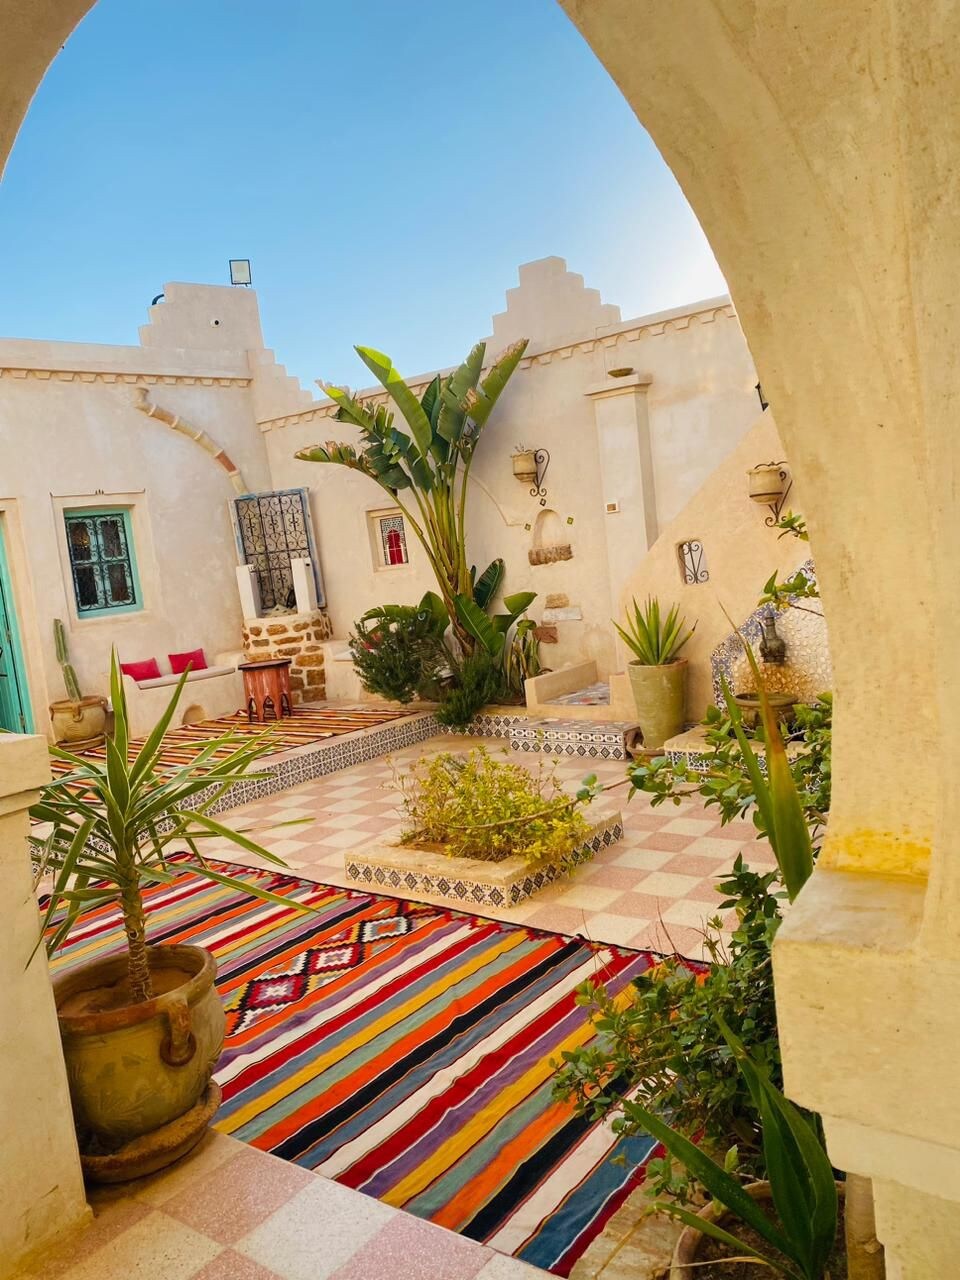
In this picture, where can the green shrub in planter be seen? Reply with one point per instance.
(398, 650)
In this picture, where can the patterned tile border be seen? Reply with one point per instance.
(491, 725)
(592, 740)
(304, 764)
(466, 881)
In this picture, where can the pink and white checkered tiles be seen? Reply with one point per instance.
(652, 890)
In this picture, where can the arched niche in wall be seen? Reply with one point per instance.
(550, 541)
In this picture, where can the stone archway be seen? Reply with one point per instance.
(818, 146)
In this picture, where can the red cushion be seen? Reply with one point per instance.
(194, 660)
(146, 670)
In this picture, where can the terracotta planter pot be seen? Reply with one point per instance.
(135, 1068)
(766, 483)
(76, 721)
(660, 696)
(687, 1250)
(525, 466)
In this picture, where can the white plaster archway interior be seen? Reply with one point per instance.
(816, 145)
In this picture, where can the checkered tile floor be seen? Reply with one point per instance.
(653, 889)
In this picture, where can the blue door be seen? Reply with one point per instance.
(14, 703)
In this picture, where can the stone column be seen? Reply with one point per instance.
(626, 471)
(41, 1188)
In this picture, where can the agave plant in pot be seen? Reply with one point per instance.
(142, 1029)
(658, 676)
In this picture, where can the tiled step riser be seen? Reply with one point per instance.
(572, 738)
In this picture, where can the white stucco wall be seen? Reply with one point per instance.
(700, 400)
(72, 436)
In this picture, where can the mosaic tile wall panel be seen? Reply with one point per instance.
(472, 892)
(328, 757)
(807, 670)
(588, 739)
(490, 726)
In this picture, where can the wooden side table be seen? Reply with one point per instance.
(265, 682)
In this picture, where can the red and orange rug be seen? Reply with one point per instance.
(406, 1051)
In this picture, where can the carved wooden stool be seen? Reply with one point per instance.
(265, 682)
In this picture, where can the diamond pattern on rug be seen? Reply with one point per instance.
(405, 1050)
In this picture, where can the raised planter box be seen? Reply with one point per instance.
(468, 882)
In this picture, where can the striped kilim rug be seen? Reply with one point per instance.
(405, 1050)
(304, 726)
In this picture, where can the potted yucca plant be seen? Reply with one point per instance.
(658, 676)
(142, 1029)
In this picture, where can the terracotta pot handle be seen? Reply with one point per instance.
(180, 1044)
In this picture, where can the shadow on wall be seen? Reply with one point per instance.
(741, 553)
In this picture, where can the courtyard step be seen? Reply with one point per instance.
(590, 739)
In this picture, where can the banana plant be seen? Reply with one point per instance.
(429, 464)
(491, 632)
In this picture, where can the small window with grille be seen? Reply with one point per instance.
(389, 537)
(102, 561)
(693, 562)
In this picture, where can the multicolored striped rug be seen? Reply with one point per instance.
(405, 1050)
(306, 725)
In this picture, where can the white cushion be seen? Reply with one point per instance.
(207, 673)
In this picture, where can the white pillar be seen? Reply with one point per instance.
(41, 1187)
(626, 473)
(304, 587)
(249, 588)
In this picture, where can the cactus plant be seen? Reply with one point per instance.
(70, 681)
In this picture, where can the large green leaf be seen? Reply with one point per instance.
(485, 587)
(480, 402)
(479, 625)
(518, 603)
(454, 392)
(721, 1185)
(383, 369)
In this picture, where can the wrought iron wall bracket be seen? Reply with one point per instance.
(542, 458)
(776, 508)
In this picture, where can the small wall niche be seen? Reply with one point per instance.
(550, 541)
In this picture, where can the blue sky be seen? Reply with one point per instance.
(385, 165)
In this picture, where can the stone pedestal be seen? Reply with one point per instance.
(297, 636)
(41, 1188)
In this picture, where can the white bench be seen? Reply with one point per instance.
(214, 691)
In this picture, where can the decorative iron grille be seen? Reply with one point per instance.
(393, 539)
(101, 561)
(693, 564)
(272, 529)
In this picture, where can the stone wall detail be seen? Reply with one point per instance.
(297, 636)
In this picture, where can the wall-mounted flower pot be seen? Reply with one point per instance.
(660, 695)
(766, 483)
(525, 466)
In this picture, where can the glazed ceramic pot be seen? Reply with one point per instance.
(134, 1068)
(660, 695)
(78, 720)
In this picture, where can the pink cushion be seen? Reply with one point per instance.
(180, 661)
(146, 670)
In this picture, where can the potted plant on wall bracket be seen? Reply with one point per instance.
(657, 676)
(76, 720)
(142, 1029)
